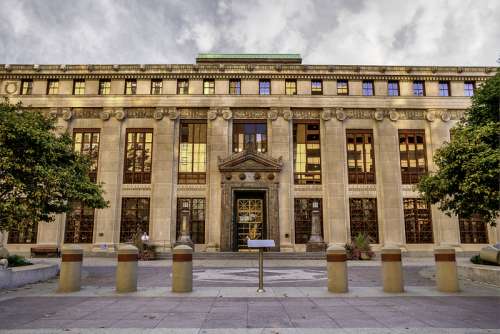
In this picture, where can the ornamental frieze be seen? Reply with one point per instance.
(354, 113)
(306, 113)
(86, 112)
(139, 112)
(249, 113)
(192, 113)
(411, 114)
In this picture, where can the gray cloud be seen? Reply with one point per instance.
(453, 32)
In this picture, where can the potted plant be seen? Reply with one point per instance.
(359, 248)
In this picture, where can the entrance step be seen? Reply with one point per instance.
(250, 256)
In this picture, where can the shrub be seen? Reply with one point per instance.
(18, 261)
(359, 248)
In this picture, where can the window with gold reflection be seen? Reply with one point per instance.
(290, 87)
(86, 142)
(208, 87)
(342, 87)
(104, 87)
(182, 87)
(156, 86)
(192, 152)
(130, 87)
(307, 153)
(418, 221)
(360, 156)
(52, 87)
(413, 159)
(79, 87)
(248, 133)
(26, 87)
(138, 156)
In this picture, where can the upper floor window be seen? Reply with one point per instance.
(79, 87)
(444, 88)
(104, 87)
(418, 88)
(138, 156)
(26, 87)
(52, 87)
(208, 87)
(182, 87)
(360, 156)
(393, 88)
(342, 87)
(130, 87)
(412, 155)
(290, 87)
(307, 153)
(156, 86)
(193, 152)
(368, 88)
(316, 87)
(86, 142)
(235, 86)
(248, 134)
(264, 87)
(469, 88)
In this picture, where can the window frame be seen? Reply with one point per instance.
(448, 88)
(52, 90)
(261, 88)
(208, 87)
(78, 88)
(414, 232)
(26, 87)
(73, 225)
(236, 90)
(138, 221)
(302, 218)
(133, 87)
(237, 123)
(94, 133)
(415, 82)
(103, 90)
(363, 177)
(412, 177)
(364, 91)
(307, 177)
(142, 176)
(360, 223)
(469, 92)
(390, 88)
(290, 87)
(192, 177)
(470, 234)
(344, 90)
(316, 91)
(197, 226)
(156, 87)
(182, 89)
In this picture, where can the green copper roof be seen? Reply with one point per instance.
(216, 57)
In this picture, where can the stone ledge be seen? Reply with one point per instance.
(480, 273)
(19, 276)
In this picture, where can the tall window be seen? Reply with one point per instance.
(307, 153)
(469, 87)
(303, 208)
(53, 87)
(412, 155)
(235, 87)
(363, 214)
(130, 87)
(444, 88)
(193, 152)
(316, 87)
(264, 87)
(418, 88)
(23, 233)
(79, 224)
(208, 87)
(26, 87)
(418, 222)
(360, 156)
(135, 218)
(246, 133)
(104, 87)
(290, 87)
(138, 156)
(182, 87)
(342, 87)
(196, 207)
(473, 230)
(393, 88)
(79, 87)
(156, 86)
(86, 142)
(368, 88)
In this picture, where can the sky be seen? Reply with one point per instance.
(385, 32)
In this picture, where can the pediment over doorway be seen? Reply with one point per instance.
(250, 161)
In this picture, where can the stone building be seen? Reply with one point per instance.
(252, 144)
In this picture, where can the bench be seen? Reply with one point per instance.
(45, 250)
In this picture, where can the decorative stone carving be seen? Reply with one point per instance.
(242, 176)
(173, 114)
(393, 115)
(257, 176)
(142, 67)
(378, 115)
(430, 116)
(228, 176)
(158, 114)
(212, 114)
(53, 113)
(340, 114)
(105, 115)
(139, 112)
(36, 67)
(192, 113)
(273, 114)
(278, 67)
(445, 116)
(287, 114)
(250, 67)
(90, 67)
(359, 113)
(227, 114)
(63, 67)
(326, 114)
(10, 87)
(120, 114)
(116, 67)
(304, 113)
(222, 68)
(8, 67)
(411, 114)
(67, 114)
(270, 177)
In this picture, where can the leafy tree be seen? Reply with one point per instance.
(40, 174)
(467, 181)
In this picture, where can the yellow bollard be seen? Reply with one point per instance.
(126, 269)
(336, 266)
(392, 269)
(182, 269)
(71, 269)
(446, 269)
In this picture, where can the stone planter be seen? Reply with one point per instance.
(18, 276)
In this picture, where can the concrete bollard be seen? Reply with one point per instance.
(446, 269)
(336, 266)
(392, 269)
(182, 269)
(71, 269)
(126, 269)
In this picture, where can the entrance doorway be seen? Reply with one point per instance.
(249, 217)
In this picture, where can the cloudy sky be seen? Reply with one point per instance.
(416, 32)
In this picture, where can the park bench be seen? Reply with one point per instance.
(45, 250)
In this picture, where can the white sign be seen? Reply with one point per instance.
(260, 243)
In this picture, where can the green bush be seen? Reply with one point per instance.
(18, 261)
(477, 260)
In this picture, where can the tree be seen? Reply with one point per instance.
(467, 181)
(40, 174)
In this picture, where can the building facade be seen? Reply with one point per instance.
(251, 145)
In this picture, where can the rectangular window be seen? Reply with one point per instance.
(363, 214)
(413, 159)
(418, 88)
(360, 156)
(316, 87)
(182, 87)
(104, 87)
(193, 152)
(473, 230)
(235, 87)
(26, 87)
(208, 87)
(79, 224)
(156, 86)
(393, 88)
(444, 88)
(368, 88)
(135, 218)
(53, 87)
(86, 142)
(138, 156)
(418, 222)
(469, 88)
(342, 87)
(79, 87)
(196, 209)
(290, 87)
(130, 87)
(264, 87)
(307, 153)
(23, 233)
(303, 209)
(250, 135)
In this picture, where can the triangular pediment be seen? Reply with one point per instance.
(248, 161)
